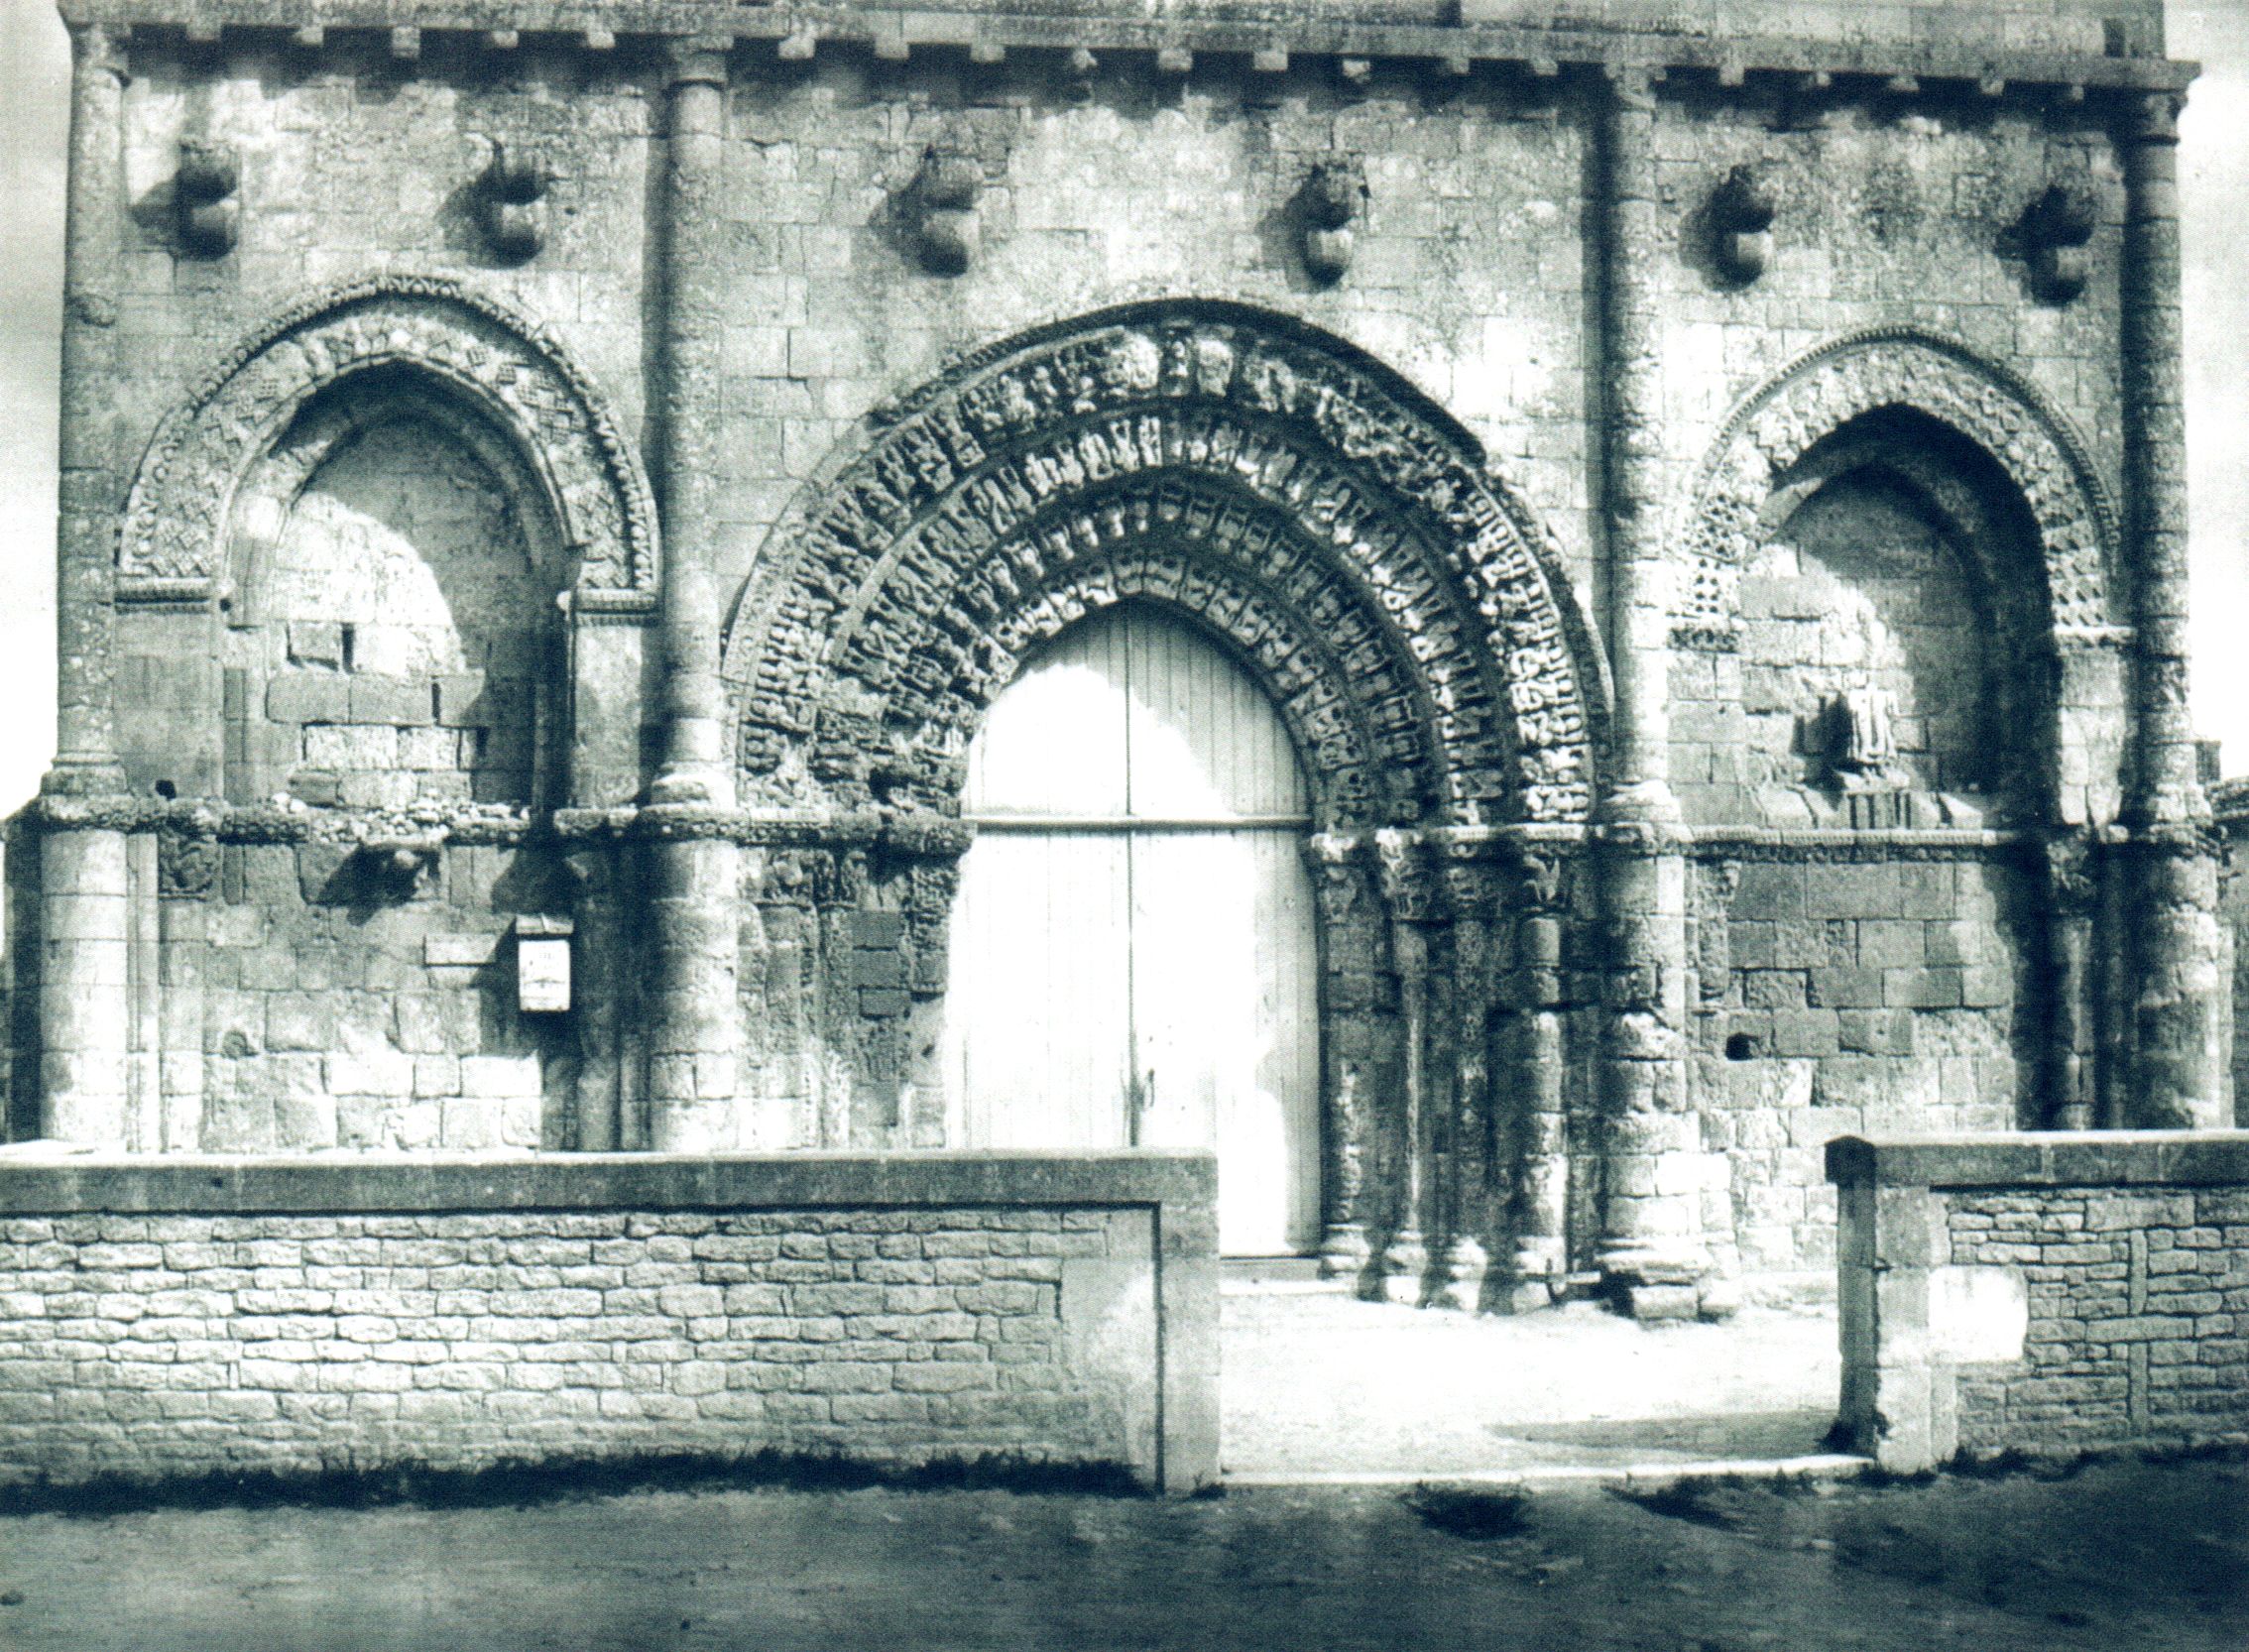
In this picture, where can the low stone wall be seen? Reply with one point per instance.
(192, 1315)
(2042, 1292)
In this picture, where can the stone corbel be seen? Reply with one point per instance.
(1740, 217)
(510, 203)
(1078, 69)
(1806, 101)
(205, 199)
(947, 233)
(1333, 202)
(2056, 230)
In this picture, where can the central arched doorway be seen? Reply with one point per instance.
(1133, 950)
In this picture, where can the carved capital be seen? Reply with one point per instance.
(186, 865)
(1539, 879)
(2151, 118)
(101, 51)
(1470, 885)
(2070, 879)
(1403, 871)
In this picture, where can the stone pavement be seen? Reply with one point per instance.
(1319, 1385)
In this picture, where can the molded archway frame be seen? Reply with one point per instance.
(1829, 387)
(1297, 499)
(468, 344)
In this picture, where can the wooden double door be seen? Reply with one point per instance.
(1134, 960)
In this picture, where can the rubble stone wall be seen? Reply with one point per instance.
(452, 1314)
(2043, 1294)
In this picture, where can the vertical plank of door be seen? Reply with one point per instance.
(1035, 1008)
(1226, 1019)
(1053, 742)
(1287, 1080)
(1204, 740)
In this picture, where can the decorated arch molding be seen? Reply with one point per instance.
(469, 345)
(1300, 502)
(1825, 390)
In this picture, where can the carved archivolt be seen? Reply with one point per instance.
(1823, 390)
(511, 369)
(1304, 504)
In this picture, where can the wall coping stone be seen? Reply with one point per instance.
(45, 1178)
(2042, 1158)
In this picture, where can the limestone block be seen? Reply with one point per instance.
(351, 748)
(500, 1076)
(402, 701)
(371, 1072)
(308, 697)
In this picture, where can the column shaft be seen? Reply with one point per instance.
(85, 986)
(1652, 1252)
(2178, 993)
(88, 494)
(1467, 1259)
(694, 865)
(1405, 893)
(85, 999)
(1540, 1266)
(1346, 968)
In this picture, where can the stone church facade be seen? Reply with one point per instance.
(550, 495)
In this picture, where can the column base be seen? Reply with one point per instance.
(1343, 1250)
(1538, 1277)
(1404, 1261)
(1460, 1276)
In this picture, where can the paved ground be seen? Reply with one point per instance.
(1323, 1382)
(2117, 1559)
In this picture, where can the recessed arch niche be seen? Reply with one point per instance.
(394, 570)
(403, 398)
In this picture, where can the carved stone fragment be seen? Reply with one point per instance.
(205, 198)
(1334, 200)
(510, 203)
(1741, 212)
(2055, 231)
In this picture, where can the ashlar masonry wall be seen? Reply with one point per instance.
(2043, 1293)
(189, 1318)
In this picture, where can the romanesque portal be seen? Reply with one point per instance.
(1511, 625)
